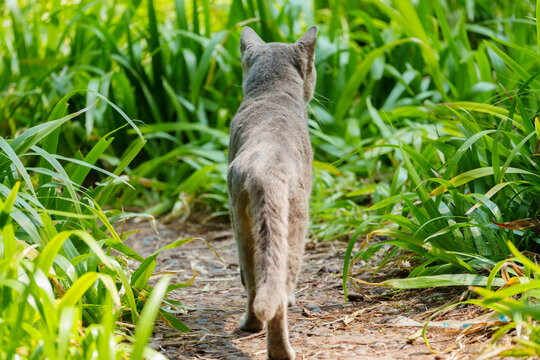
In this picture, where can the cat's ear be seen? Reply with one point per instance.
(308, 40)
(249, 38)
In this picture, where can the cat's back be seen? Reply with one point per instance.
(270, 130)
(269, 134)
(273, 116)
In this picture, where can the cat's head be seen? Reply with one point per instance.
(279, 64)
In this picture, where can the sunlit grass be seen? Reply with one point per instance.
(62, 288)
(423, 123)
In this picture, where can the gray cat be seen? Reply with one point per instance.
(269, 179)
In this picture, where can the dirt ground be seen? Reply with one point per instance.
(377, 324)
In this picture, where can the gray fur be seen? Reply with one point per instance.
(269, 179)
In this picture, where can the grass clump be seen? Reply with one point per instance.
(465, 186)
(64, 275)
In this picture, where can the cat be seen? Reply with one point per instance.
(269, 179)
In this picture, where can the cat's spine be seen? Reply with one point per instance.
(269, 211)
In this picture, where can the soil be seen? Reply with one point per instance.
(375, 323)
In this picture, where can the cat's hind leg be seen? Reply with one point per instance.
(277, 338)
(298, 221)
(244, 242)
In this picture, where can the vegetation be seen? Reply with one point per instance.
(424, 129)
(58, 271)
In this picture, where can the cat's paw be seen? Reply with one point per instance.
(282, 353)
(250, 324)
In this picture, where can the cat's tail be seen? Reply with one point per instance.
(270, 211)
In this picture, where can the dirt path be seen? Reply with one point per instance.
(379, 325)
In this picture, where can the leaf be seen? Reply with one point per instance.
(348, 254)
(37, 133)
(489, 109)
(475, 174)
(422, 282)
(461, 151)
(140, 277)
(327, 167)
(520, 224)
(512, 64)
(77, 290)
(348, 93)
(148, 315)
(18, 164)
(6, 206)
(173, 322)
(490, 193)
(204, 65)
(67, 320)
(48, 254)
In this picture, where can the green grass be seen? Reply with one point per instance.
(424, 125)
(64, 274)
(475, 163)
(518, 302)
